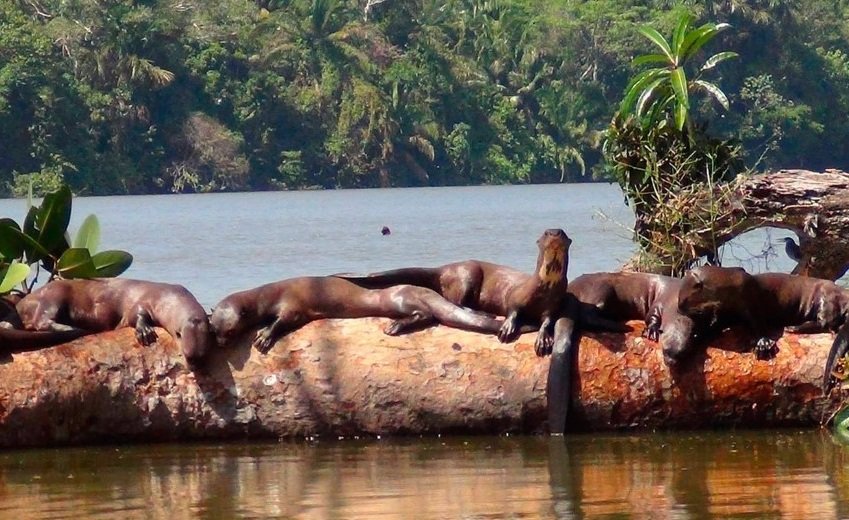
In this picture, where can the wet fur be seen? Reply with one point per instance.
(767, 303)
(98, 305)
(282, 307)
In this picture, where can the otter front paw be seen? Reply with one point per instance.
(145, 335)
(264, 340)
(396, 328)
(766, 348)
(652, 330)
(543, 344)
(508, 331)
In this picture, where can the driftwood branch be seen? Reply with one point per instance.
(344, 377)
(814, 205)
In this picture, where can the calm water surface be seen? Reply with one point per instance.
(775, 474)
(217, 244)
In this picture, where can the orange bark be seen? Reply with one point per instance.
(344, 377)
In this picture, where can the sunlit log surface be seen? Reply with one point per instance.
(345, 377)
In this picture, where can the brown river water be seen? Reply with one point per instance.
(217, 244)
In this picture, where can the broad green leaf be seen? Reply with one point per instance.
(76, 262)
(700, 35)
(88, 236)
(14, 275)
(53, 218)
(648, 93)
(656, 38)
(678, 34)
(11, 246)
(841, 425)
(112, 263)
(716, 59)
(679, 86)
(18, 239)
(649, 58)
(713, 90)
(636, 88)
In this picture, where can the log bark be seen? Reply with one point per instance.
(814, 205)
(344, 377)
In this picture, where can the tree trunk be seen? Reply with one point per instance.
(344, 377)
(812, 204)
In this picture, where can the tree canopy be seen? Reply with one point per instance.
(151, 96)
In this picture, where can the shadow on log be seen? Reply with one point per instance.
(345, 377)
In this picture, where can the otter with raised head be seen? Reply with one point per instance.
(282, 307)
(526, 300)
(101, 304)
(767, 303)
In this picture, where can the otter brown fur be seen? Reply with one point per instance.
(284, 306)
(767, 303)
(525, 300)
(101, 304)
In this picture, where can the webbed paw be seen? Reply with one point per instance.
(543, 344)
(263, 340)
(652, 330)
(508, 331)
(766, 348)
(145, 335)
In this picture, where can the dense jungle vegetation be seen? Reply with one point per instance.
(147, 96)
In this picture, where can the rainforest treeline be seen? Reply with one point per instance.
(157, 96)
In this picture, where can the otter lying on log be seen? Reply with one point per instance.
(80, 307)
(525, 300)
(345, 377)
(765, 304)
(285, 306)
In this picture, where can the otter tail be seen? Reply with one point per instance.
(419, 276)
(14, 340)
(838, 349)
(558, 392)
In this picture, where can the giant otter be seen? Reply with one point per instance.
(767, 303)
(284, 306)
(100, 304)
(496, 289)
(624, 296)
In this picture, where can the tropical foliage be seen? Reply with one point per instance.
(147, 96)
(43, 242)
(659, 153)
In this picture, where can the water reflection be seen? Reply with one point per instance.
(774, 474)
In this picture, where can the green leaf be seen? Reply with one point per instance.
(640, 82)
(11, 245)
(678, 34)
(656, 38)
(679, 86)
(14, 275)
(649, 58)
(716, 59)
(695, 39)
(53, 217)
(647, 94)
(88, 236)
(17, 239)
(112, 263)
(76, 262)
(715, 91)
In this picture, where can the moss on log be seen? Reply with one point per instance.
(344, 377)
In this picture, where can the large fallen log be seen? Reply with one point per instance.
(344, 377)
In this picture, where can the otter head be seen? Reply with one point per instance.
(553, 259)
(707, 289)
(194, 338)
(678, 339)
(230, 318)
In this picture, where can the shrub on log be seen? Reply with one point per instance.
(345, 377)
